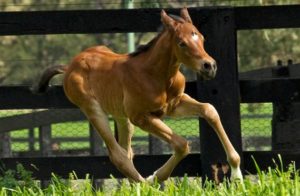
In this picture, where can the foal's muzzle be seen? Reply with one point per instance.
(209, 70)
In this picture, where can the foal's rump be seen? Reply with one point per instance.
(95, 74)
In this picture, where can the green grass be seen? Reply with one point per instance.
(272, 182)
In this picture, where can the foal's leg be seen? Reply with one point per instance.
(156, 127)
(117, 154)
(191, 107)
(125, 132)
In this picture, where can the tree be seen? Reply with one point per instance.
(23, 57)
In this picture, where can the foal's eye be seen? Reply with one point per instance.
(182, 44)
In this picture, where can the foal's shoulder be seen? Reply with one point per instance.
(178, 80)
(177, 85)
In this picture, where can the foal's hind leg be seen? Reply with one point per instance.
(191, 107)
(117, 154)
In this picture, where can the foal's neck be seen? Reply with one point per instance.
(160, 60)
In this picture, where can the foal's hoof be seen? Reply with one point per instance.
(236, 174)
(151, 178)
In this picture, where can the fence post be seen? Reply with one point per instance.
(286, 116)
(218, 26)
(5, 145)
(155, 145)
(31, 140)
(96, 142)
(45, 140)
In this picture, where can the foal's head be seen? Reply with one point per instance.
(188, 44)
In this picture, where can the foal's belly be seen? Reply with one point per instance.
(113, 106)
(110, 98)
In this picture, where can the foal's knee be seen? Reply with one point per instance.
(181, 146)
(210, 113)
(140, 121)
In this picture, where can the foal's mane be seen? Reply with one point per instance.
(146, 47)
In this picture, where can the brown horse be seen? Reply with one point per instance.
(139, 89)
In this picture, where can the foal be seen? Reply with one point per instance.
(139, 89)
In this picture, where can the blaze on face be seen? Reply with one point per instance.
(189, 46)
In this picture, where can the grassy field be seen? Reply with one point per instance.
(186, 127)
(272, 182)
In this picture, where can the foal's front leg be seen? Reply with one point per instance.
(125, 132)
(159, 129)
(190, 107)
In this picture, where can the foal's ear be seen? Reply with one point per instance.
(185, 15)
(167, 20)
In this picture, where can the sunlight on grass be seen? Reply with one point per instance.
(277, 181)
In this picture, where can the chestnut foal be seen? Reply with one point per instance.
(139, 89)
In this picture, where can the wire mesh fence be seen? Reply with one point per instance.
(52, 132)
(67, 132)
(256, 120)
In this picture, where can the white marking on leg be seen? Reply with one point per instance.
(236, 174)
(151, 178)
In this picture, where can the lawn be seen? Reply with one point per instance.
(258, 123)
(272, 182)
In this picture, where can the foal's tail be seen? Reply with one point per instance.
(49, 72)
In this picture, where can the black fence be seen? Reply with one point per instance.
(66, 132)
(219, 25)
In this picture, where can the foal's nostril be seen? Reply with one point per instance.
(207, 66)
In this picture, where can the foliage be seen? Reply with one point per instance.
(19, 178)
(23, 57)
(275, 181)
(275, 45)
